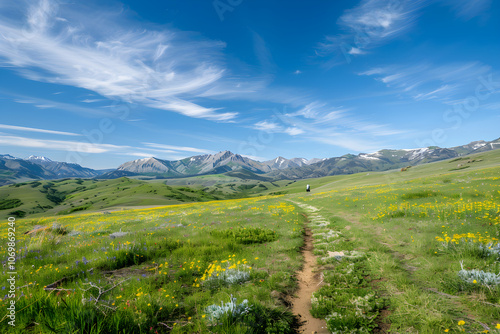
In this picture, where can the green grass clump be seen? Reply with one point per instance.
(253, 235)
(419, 194)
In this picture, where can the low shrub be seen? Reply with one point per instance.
(475, 276)
(10, 203)
(232, 317)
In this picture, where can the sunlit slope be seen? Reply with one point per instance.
(41, 198)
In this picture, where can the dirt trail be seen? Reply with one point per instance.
(309, 281)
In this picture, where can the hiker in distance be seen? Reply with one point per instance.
(308, 188)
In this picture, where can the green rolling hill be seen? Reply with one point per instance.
(69, 196)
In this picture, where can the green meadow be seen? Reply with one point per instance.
(413, 251)
(66, 196)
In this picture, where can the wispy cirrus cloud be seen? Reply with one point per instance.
(65, 145)
(467, 9)
(51, 104)
(267, 126)
(375, 22)
(78, 46)
(92, 100)
(270, 126)
(85, 147)
(294, 131)
(428, 81)
(368, 25)
(26, 129)
(336, 126)
(254, 157)
(178, 148)
(320, 112)
(139, 154)
(157, 68)
(492, 106)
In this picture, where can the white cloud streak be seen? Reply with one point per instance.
(92, 100)
(253, 157)
(267, 126)
(150, 149)
(22, 128)
(178, 148)
(294, 131)
(70, 146)
(139, 154)
(376, 22)
(92, 50)
(319, 122)
(428, 81)
(272, 127)
(370, 24)
(50, 104)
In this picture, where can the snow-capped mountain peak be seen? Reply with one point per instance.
(38, 158)
(8, 157)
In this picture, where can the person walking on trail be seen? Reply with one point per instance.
(308, 188)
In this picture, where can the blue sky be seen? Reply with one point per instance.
(103, 82)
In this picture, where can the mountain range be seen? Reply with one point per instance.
(14, 169)
(382, 160)
(218, 163)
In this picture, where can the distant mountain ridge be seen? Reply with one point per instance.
(221, 162)
(382, 160)
(63, 169)
(14, 169)
(7, 156)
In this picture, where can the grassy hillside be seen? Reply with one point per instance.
(451, 168)
(40, 198)
(235, 184)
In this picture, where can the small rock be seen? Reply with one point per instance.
(118, 234)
